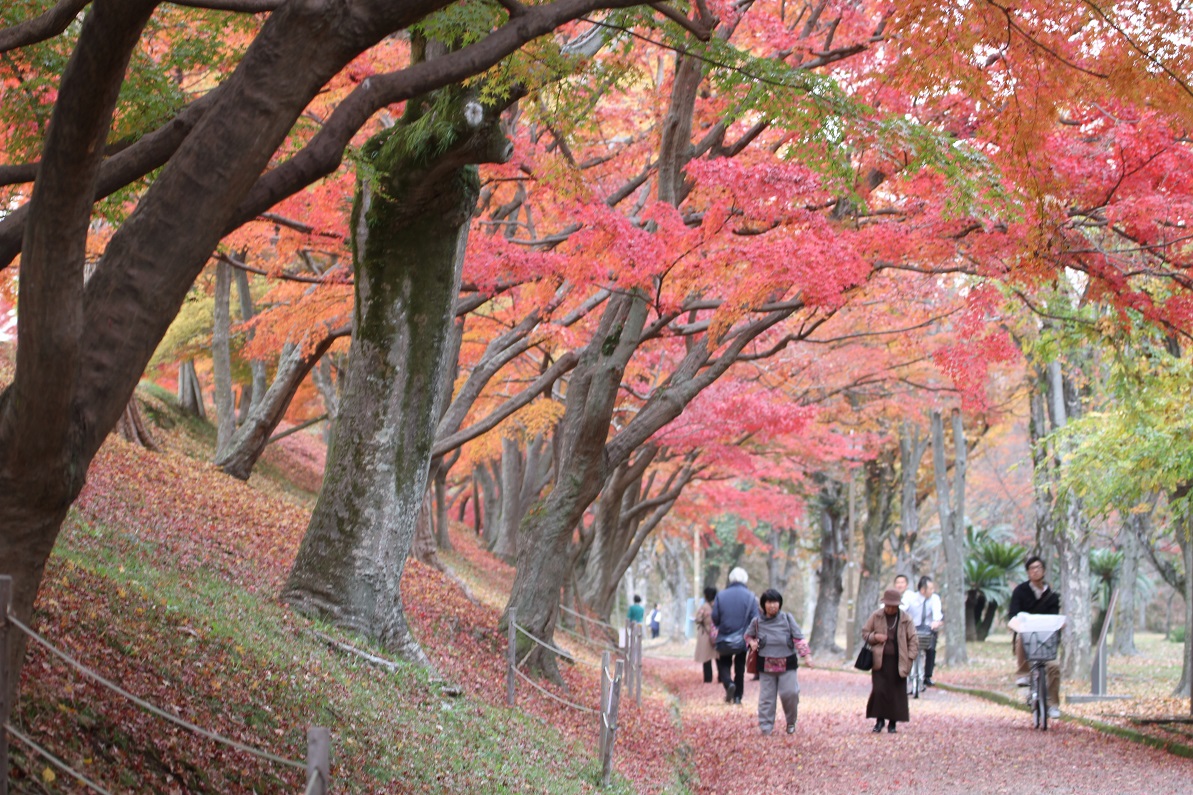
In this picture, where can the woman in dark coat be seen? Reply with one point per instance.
(893, 641)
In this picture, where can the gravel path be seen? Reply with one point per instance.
(953, 744)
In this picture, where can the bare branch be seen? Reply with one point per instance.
(42, 27)
(697, 29)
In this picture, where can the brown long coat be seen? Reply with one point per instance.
(705, 650)
(909, 644)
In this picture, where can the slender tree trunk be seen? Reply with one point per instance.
(410, 225)
(951, 509)
(442, 538)
(675, 550)
(131, 426)
(1043, 467)
(249, 440)
(260, 380)
(190, 392)
(1133, 527)
(880, 498)
(832, 505)
(1186, 545)
(513, 467)
(490, 503)
(221, 359)
(327, 384)
(912, 446)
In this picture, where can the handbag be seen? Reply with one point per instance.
(752, 661)
(733, 643)
(865, 658)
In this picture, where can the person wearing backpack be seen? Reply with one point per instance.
(732, 611)
(780, 643)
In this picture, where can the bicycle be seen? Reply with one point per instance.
(915, 679)
(1041, 639)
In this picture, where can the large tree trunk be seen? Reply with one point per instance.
(1134, 527)
(611, 533)
(56, 412)
(410, 226)
(880, 494)
(833, 511)
(582, 468)
(952, 531)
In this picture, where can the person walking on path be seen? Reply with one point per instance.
(927, 616)
(892, 640)
(636, 612)
(732, 611)
(655, 624)
(780, 643)
(1036, 597)
(706, 651)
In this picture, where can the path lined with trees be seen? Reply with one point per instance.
(953, 744)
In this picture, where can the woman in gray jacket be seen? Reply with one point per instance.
(780, 643)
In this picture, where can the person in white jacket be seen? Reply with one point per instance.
(926, 614)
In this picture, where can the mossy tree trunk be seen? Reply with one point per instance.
(410, 226)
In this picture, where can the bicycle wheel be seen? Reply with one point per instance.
(1040, 684)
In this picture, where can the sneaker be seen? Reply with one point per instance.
(728, 694)
(736, 700)
(1022, 682)
(1054, 713)
(791, 728)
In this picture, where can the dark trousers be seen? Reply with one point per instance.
(738, 661)
(707, 671)
(929, 662)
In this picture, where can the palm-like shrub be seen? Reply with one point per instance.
(987, 568)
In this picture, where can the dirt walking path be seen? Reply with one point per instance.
(953, 744)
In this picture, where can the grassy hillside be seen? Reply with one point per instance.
(165, 580)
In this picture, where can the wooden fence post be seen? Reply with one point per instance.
(5, 707)
(609, 721)
(605, 690)
(319, 759)
(638, 664)
(512, 659)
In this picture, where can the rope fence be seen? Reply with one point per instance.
(600, 644)
(590, 619)
(549, 694)
(610, 686)
(318, 738)
(53, 760)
